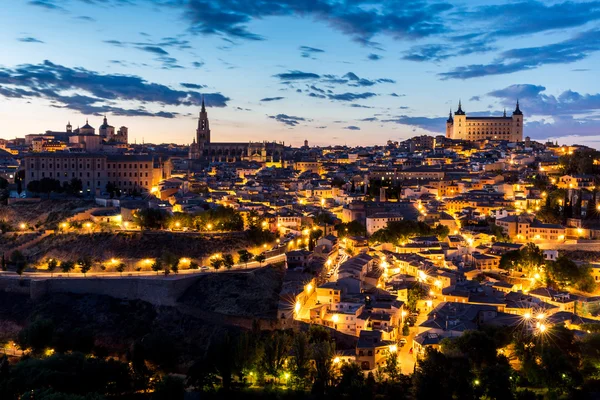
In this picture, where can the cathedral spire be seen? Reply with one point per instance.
(517, 110)
(203, 107)
(504, 112)
(450, 119)
(459, 111)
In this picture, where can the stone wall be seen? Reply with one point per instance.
(155, 290)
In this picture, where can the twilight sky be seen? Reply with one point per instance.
(330, 71)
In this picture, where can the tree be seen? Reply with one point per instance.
(244, 256)
(120, 268)
(216, 263)
(149, 218)
(276, 349)
(323, 354)
(260, 258)
(228, 261)
(563, 272)
(44, 185)
(19, 261)
(175, 267)
(52, 265)
(85, 264)
(3, 263)
(37, 335)
(157, 265)
(301, 361)
(67, 266)
(194, 265)
(405, 329)
(391, 368)
(169, 388)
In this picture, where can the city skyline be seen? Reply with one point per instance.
(358, 74)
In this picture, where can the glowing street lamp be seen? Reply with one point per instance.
(177, 224)
(297, 308)
(209, 226)
(393, 348)
(527, 316)
(22, 226)
(335, 318)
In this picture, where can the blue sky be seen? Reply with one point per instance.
(354, 72)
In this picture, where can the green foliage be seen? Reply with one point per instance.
(580, 162)
(85, 264)
(244, 256)
(169, 388)
(157, 265)
(401, 231)
(150, 218)
(85, 375)
(44, 185)
(528, 259)
(260, 258)
(221, 218)
(564, 272)
(37, 335)
(67, 266)
(405, 329)
(121, 268)
(353, 228)
(228, 261)
(415, 294)
(52, 265)
(216, 262)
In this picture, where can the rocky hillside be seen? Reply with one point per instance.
(132, 245)
(251, 294)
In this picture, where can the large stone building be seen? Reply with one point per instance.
(485, 128)
(82, 139)
(126, 172)
(203, 149)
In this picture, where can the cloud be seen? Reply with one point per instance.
(29, 39)
(98, 92)
(574, 49)
(359, 19)
(528, 17)
(197, 64)
(85, 18)
(475, 98)
(47, 4)
(352, 128)
(534, 101)
(289, 120)
(370, 119)
(297, 75)
(374, 57)
(351, 96)
(192, 85)
(267, 99)
(309, 52)
(436, 125)
(437, 52)
(154, 50)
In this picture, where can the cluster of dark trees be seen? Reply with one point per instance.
(63, 364)
(401, 231)
(213, 219)
(580, 162)
(556, 274)
(49, 185)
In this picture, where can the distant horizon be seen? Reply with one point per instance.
(335, 72)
